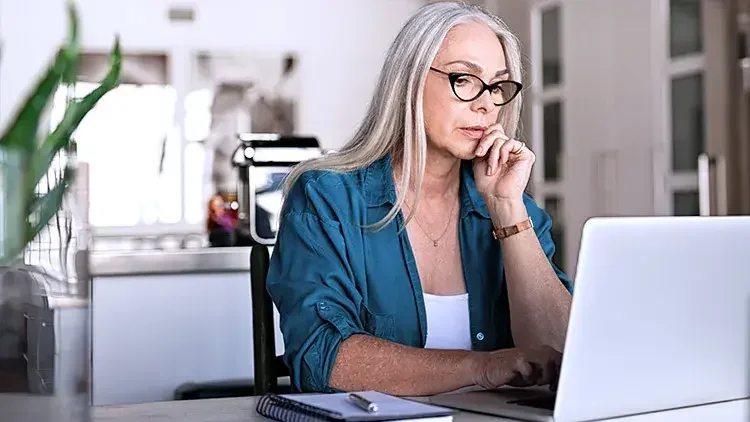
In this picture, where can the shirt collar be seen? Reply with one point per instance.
(380, 190)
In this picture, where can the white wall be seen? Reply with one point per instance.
(340, 44)
(613, 111)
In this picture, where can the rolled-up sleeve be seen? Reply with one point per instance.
(311, 284)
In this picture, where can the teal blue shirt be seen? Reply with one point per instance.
(331, 278)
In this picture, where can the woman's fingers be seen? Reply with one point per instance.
(484, 145)
(548, 361)
(501, 152)
(498, 148)
(494, 158)
(548, 373)
(512, 147)
(527, 371)
(491, 137)
(491, 144)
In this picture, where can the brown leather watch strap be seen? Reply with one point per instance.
(506, 232)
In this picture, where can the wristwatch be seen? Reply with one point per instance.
(505, 232)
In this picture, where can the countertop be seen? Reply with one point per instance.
(197, 260)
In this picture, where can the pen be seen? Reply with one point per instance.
(363, 403)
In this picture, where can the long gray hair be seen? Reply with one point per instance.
(394, 122)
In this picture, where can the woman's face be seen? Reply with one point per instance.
(453, 126)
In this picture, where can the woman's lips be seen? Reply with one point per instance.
(474, 132)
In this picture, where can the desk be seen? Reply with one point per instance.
(243, 410)
(209, 410)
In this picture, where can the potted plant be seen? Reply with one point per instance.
(43, 367)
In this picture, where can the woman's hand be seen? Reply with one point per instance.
(519, 368)
(502, 166)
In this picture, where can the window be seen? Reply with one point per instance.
(685, 27)
(550, 94)
(552, 139)
(685, 85)
(133, 153)
(685, 203)
(144, 146)
(688, 128)
(197, 129)
(551, 55)
(548, 110)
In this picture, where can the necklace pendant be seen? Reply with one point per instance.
(434, 243)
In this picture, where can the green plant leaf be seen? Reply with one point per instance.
(31, 159)
(74, 115)
(22, 131)
(70, 74)
(14, 201)
(46, 206)
(24, 127)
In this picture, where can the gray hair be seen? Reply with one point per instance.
(394, 122)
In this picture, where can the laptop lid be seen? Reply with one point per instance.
(660, 317)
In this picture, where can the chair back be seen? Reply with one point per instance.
(268, 366)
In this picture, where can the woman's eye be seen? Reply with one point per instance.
(462, 80)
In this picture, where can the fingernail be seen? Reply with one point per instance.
(489, 170)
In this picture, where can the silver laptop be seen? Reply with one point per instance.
(660, 320)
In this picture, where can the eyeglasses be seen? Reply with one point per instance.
(468, 87)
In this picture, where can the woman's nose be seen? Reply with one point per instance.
(484, 103)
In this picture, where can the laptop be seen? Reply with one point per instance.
(660, 320)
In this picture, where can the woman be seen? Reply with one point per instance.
(443, 304)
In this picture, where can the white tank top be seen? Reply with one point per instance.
(447, 322)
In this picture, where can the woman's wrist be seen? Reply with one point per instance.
(478, 368)
(507, 212)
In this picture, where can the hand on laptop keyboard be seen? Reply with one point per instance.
(520, 367)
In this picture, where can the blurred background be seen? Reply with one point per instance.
(633, 107)
(622, 99)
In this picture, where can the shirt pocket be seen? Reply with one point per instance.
(379, 325)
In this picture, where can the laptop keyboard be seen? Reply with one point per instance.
(546, 402)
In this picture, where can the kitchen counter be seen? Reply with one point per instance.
(198, 260)
(161, 319)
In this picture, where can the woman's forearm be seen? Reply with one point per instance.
(539, 303)
(369, 363)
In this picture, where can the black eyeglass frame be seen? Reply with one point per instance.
(453, 77)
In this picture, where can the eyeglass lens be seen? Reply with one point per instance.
(468, 87)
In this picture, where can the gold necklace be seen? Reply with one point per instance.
(447, 225)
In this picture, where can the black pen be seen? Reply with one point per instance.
(363, 403)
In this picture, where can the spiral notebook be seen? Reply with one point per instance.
(337, 407)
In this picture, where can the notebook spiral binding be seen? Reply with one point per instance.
(282, 409)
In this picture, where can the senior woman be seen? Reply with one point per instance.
(411, 261)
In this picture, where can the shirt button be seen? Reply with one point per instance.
(480, 336)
